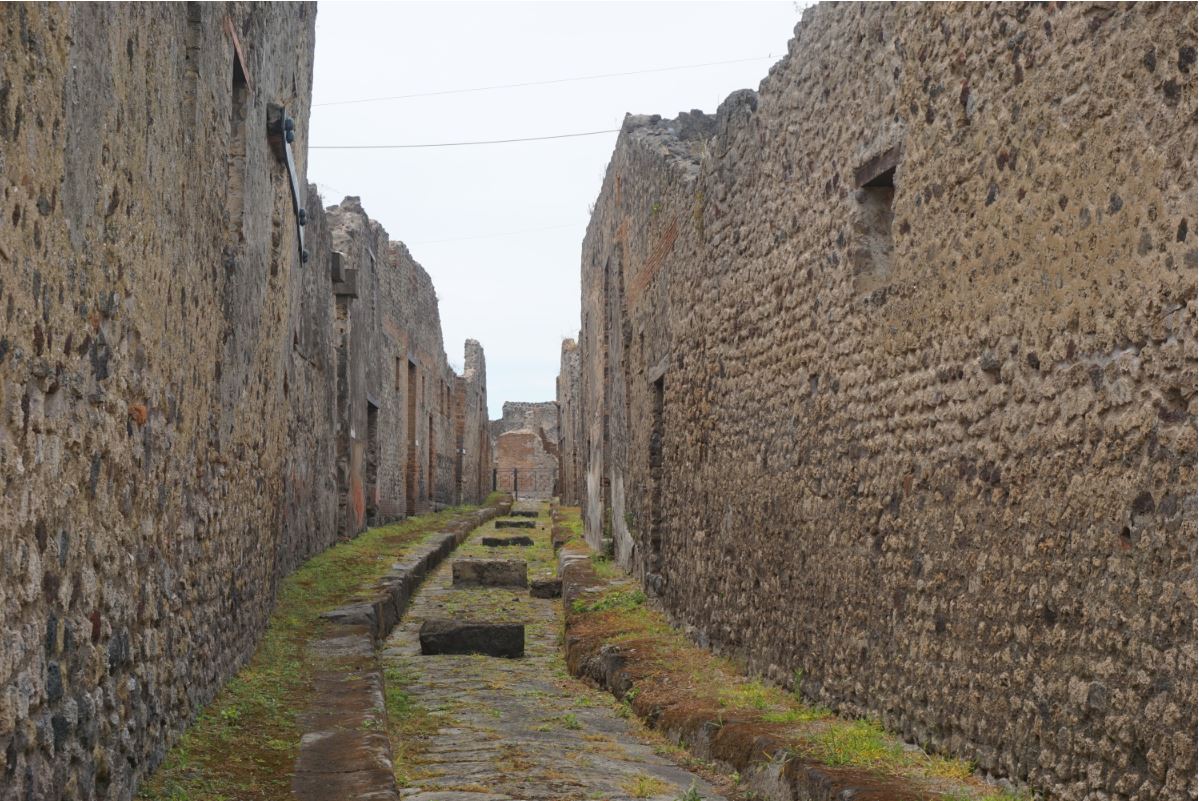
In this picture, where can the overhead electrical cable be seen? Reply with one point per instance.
(537, 83)
(463, 144)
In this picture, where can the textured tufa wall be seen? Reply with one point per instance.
(570, 457)
(175, 388)
(924, 439)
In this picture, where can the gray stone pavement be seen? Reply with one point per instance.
(509, 729)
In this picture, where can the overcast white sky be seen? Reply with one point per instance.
(457, 208)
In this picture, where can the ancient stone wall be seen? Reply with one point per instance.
(473, 431)
(517, 415)
(524, 466)
(404, 435)
(888, 380)
(176, 386)
(570, 465)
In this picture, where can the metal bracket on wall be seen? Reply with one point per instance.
(281, 132)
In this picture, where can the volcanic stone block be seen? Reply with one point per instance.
(515, 524)
(546, 588)
(559, 537)
(501, 542)
(491, 572)
(466, 637)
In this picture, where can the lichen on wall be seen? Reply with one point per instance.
(893, 362)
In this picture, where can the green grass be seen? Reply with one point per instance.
(642, 785)
(244, 744)
(612, 601)
(604, 567)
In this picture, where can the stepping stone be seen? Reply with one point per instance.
(465, 637)
(515, 524)
(500, 542)
(546, 588)
(524, 513)
(491, 572)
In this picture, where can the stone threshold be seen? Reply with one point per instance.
(767, 766)
(345, 752)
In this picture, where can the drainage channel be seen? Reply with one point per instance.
(507, 727)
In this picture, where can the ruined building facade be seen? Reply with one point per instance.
(525, 441)
(188, 407)
(887, 380)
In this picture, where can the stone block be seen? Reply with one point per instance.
(501, 542)
(545, 588)
(490, 573)
(515, 524)
(469, 637)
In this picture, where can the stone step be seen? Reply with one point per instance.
(515, 524)
(490, 573)
(503, 542)
(524, 513)
(441, 636)
(546, 588)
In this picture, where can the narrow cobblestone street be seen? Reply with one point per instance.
(518, 728)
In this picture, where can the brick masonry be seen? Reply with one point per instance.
(526, 440)
(922, 440)
(184, 407)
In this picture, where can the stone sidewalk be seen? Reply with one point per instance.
(519, 728)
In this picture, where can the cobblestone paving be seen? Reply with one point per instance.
(519, 728)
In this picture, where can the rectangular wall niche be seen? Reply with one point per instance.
(873, 214)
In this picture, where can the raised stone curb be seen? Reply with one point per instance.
(767, 768)
(345, 752)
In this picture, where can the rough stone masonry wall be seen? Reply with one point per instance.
(473, 433)
(392, 367)
(533, 416)
(168, 373)
(570, 466)
(930, 453)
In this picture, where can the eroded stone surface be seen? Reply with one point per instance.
(522, 728)
(490, 572)
(504, 542)
(442, 636)
(927, 451)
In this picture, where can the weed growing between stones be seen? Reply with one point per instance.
(244, 744)
(643, 785)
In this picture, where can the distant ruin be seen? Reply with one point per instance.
(887, 380)
(205, 379)
(525, 444)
